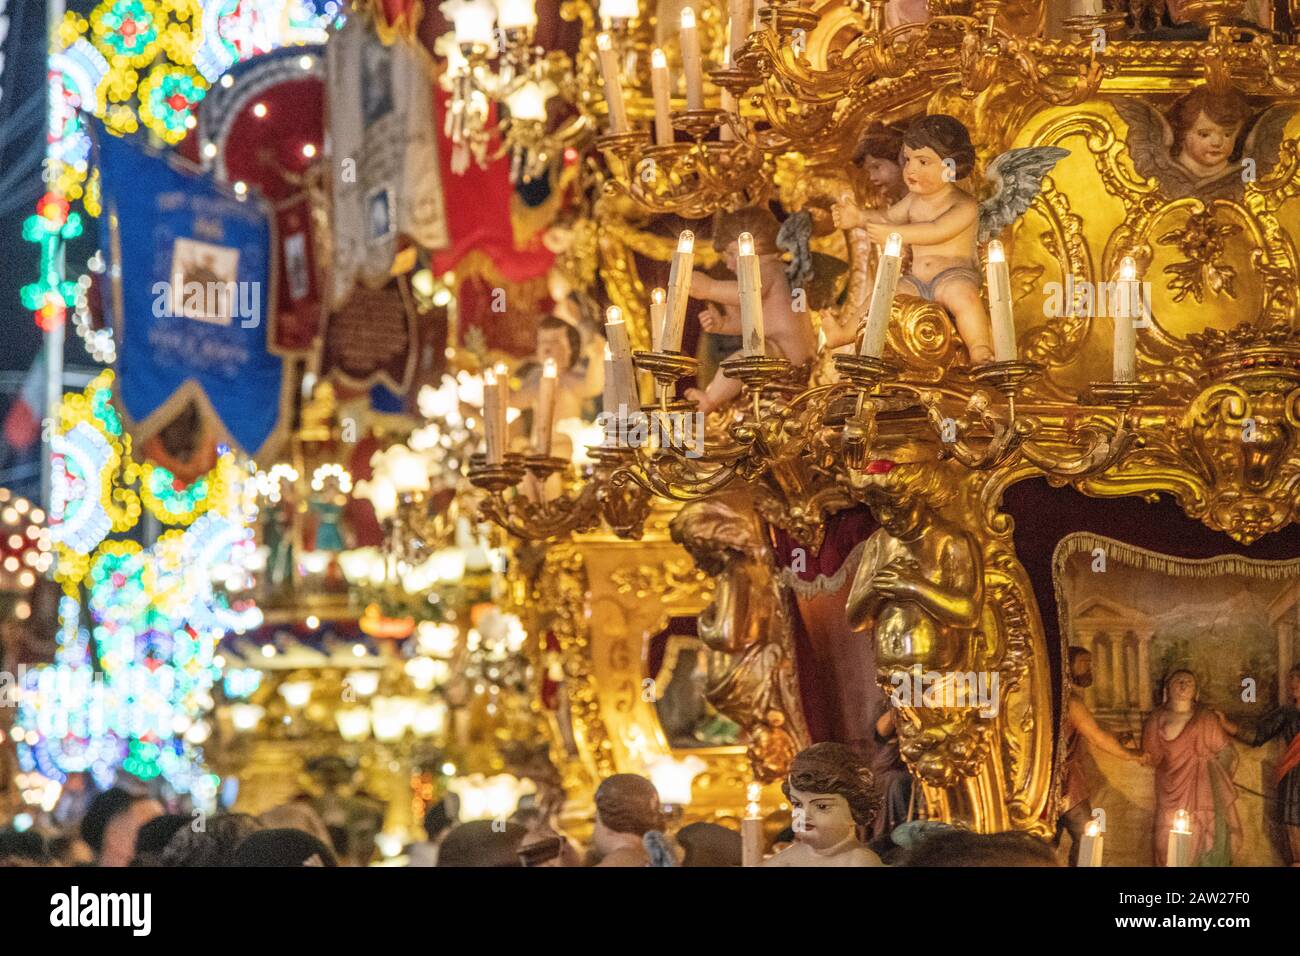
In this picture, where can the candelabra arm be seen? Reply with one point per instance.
(1101, 453)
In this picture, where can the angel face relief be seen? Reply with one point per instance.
(1190, 150)
(1205, 130)
(1207, 146)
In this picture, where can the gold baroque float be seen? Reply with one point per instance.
(1212, 419)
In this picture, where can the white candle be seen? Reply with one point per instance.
(1004, 326)
(1090, 845)
(503, 406)
(613, 87)
(679, 292)
(491, 417)
(659, 85)
(741, 18)
(690, 40)
(620, 350)
(753, 341)
(751, 828)
(882, 297)
(544, 417)
(658, 312)
(609, 400)
(1124, 367)
(1180, 841)
(728, 103)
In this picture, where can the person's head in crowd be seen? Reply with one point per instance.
(296, 815)
(154, 837)
(953, 847)
(24, 848)
(284, 847)
(438, 819)
(709, 844)
(68, 849)
(207, 843)
(113, 821)
(626, 804)
(482, 843)
(340, 841)
(102, 808)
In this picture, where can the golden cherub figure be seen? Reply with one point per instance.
(943, 223)
(919, 584)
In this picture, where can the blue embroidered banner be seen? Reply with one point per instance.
(190, 283)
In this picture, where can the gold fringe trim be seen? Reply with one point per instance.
(1137, 557)
(478, 264)
(403, 28)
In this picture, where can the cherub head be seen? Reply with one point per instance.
(903, 496)
(559, 341)
(879, 153)
(758, 221)
(936, 151)
(831, 790)
(1206, 125)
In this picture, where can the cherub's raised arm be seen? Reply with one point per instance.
(722, 291)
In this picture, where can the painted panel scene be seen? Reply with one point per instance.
(1189, 668)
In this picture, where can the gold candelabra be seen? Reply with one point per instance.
(517, 497)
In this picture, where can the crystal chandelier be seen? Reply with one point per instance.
(482, 32)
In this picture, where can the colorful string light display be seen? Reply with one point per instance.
(133, 63)
(139, 626)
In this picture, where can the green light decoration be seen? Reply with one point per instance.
(167, 99)
(51, 296)
(128, 30)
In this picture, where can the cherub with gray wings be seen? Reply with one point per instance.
(943, 223)
(1197, 150)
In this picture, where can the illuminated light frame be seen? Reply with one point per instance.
(89, 68)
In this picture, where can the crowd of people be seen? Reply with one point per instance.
(832, 800)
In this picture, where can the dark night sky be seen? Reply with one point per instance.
(22, 131)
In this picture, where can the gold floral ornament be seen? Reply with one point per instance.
(1202, 243)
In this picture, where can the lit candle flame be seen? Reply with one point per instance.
(1128, 269)
(996, 254)
(746, 244)
(686, 241)
(1182, 822)
(657, 296)
(603, 42)
(894, 245)
(489, 377)
(688, 18)
(613, 314)
(657, 59)
(1092, 829)
(548, 368)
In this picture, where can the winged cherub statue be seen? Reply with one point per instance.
(943, 223)
(1193, 150)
